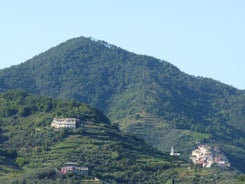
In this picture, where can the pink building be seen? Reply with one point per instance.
(72, 168)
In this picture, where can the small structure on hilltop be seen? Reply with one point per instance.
(64, 123)
(73, 168)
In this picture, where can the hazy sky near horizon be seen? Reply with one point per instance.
(202, 38)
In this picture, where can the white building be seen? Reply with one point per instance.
(64, 123)
(172, 153)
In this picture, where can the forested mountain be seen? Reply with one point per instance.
(146, 96)
(32, 152)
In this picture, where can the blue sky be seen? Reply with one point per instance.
(200, 37)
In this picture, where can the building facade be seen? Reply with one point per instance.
(64, 123)
(73, 168)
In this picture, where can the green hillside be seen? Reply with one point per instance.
(32, 151)
(130, 88)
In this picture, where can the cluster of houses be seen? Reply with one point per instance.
(207, 156)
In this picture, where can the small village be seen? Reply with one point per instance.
(207, 156)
